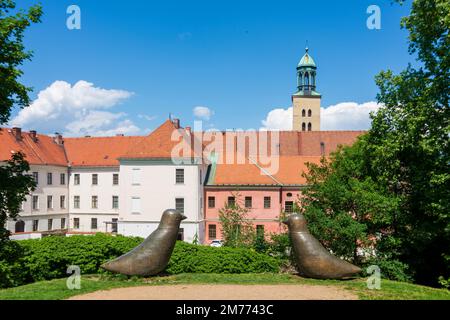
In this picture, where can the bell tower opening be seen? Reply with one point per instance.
(306, 97)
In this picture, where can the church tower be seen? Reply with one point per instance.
(306, 101)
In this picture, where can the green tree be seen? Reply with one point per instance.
(237, 230)
(409, 142)
(14, 182)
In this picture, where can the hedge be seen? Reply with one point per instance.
(49, 257)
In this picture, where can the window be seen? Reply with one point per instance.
(179, 204)
(115, 202)
(36, 177)
(63, 223)
(135, 205)
(114, 225)
(180, 235)
(62, 202)
(289, 206)
(76, 179)
(94, 223)
(76, 202)
(50, 224)
(303, 113)
(94, 202)
(309, 113)
(267, 202)
(136, 176)
(289, 194)
(211, 202)
(260, 230)
(322, 148)
(248, 202)
(62, 178)
(212, 231)
(35, 202)
(49, 178)
(303, 126)
(309, 126)
(94, 179)
(49, 202)
(76, 223)
(35, 225)
(201, 177)
(179, 179)
(231, 201)
(115, 179)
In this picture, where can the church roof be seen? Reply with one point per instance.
(307, 60)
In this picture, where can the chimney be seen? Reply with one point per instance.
(33, 135)
(176, 123)
(120, 135)
(17, 133)
(58, 139)
(188, 130)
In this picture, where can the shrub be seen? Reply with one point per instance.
(188, 258)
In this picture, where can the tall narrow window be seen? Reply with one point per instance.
(303, 126)
(114, 225)
(211, 202)
(35, 225)
(62, 202)
(50, 224)
(115, 202)
(115, 179)
(49, 178)
(309, 113)
(36, 177)
(303, 113)
(94, 202)
(63, 223)
(135, 205)
(94, 179)
(50, 202)
(322, 148)
(76, 202)
(231, 201)
(76, 179)
(267, 202)
(76, 223)
(248, 202)
(136, 176)
(179, 204)
(35, 203)
(309, 126)
(62, 178)
(179, 179)
(212, 231)
(94, 223)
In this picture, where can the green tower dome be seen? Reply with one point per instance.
(306, 76)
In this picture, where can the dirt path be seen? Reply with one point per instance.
(221, 292)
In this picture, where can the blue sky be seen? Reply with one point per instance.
(237, 58)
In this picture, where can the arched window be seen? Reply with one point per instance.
(20, 226)
(309, 126)
(303, 126)
(322, 148)
(303, 113)
(309, 113)
(306, 79)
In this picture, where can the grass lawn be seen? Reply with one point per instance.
(56, 289)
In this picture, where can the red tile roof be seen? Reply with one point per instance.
(41, 151)
(98, 152)
(290, 169)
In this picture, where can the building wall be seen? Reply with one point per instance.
(43, 189)
(104, 190)
(155, 190)
(306, 103)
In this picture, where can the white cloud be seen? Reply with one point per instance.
(146, 117)
(342, 116)
(203, 113)
(76, 110)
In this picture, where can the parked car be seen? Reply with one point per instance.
(216, 243)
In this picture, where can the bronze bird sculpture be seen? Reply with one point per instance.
(153, 254)
(313, 260)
